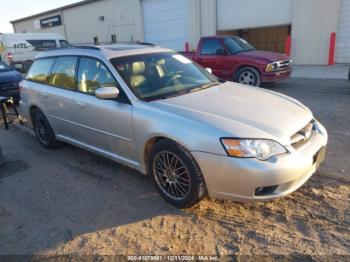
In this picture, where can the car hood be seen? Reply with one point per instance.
(10, 76)
(242, 111)
(265, 56)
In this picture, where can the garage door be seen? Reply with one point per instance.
(166, 23)
(241, 14)
(343, 39)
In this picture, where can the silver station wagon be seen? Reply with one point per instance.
(158, 112)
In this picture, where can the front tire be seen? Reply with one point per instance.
(176, 174)
(43, 130)
(248, 76)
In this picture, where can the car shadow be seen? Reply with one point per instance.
(51, 197)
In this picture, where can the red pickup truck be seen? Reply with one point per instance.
(234, 59)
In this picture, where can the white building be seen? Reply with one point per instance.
(264, 23)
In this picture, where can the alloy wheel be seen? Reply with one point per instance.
(172, 175)
(247, 78)
(41, 129)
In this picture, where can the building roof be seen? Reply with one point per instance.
(84, 2)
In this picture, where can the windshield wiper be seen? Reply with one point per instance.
(204, 86)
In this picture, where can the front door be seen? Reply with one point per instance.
(103, 125)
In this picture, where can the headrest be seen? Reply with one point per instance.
(138, 68)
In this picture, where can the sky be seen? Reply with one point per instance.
(14, 9)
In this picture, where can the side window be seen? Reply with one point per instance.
(64, 43)
(63, 73)
(40, 70)
(93, 74)
(42, 44)
(210, 46)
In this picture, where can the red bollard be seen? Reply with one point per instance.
(287, 45)
(332, 49)
(187, 47)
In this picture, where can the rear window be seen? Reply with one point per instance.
(210, 46)
(40, 70)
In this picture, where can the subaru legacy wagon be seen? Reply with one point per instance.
(158, 112)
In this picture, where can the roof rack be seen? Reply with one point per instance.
(134, 43)
(72, 47)
(92, 47)
(85, 47)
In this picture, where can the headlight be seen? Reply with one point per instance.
(261, 149)
(272, 67)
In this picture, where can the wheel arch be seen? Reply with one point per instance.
(32, 108)
(152, 141)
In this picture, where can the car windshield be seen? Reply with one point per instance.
(236, 45)
(4, 67)
(162, 75)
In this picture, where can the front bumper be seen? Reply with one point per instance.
(268, 77)
(238, 179)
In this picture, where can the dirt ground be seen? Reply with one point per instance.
(69, 201)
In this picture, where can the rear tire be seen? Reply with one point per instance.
(43, 130)
(176, 174)
(248, 76)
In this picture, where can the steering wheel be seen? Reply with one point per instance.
(172, 79)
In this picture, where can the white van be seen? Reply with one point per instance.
(19, 49)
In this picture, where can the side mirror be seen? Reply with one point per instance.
(109, 92)
(209, 70)
(220, 51)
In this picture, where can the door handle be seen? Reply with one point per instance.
(80, 104)
(44, 95)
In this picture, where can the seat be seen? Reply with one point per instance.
(138, 81)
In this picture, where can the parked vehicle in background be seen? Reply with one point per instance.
(19, 49)
(158, 112)
(9, 82)
(234, 59)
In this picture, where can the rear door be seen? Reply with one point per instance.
(59, 96)
(51, 87)
(103, 125)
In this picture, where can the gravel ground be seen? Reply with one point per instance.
(69, 201)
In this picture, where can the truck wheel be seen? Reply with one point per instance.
(248, 76)
(26, 66)
(175, 174)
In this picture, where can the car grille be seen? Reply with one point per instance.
(282, 65)
(302, 136)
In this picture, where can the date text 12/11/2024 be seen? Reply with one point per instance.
(173, 258)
